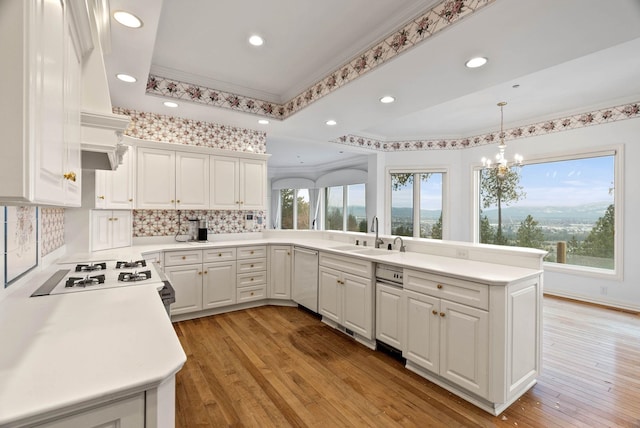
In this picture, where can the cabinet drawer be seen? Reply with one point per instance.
(347, 264)
(252, 252)
(249, 279)
(218, 254)
(252, 265)
(248, 294)
(186, 257)
(455, 290)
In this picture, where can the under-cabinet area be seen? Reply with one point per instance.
(476, 337)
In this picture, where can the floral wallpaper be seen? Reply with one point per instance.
(52, 233)
(598, 117)
(441, 16)
(170, 129)
(165, 222)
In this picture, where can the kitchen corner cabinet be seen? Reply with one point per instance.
(238, 183)
(345, 294)
(169, 179)
(40, 104)
(110, 229)
(184, 270)
(280, 272)
(114, 189)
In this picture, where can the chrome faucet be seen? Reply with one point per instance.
(374, 228)
(402, 248)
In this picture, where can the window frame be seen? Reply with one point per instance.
(416, 194)
(295, 208)
(345, 202)
(617, 151)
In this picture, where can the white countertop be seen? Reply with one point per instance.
(60, 351)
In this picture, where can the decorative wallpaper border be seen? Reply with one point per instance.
(441, 16)
(165, 222)
(597, 117)
(52, 234)
(171, 129)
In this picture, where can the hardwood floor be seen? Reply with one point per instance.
(280, 366)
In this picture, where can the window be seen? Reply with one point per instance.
(294, 215)
(565, 205)
(416, 203)
(345, 208)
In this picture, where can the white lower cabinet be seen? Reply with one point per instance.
(219, 284)
(345, 293)
(252, 274)
(187, 283)
(280, 272)
(390, 315)
(110, 229)
(126, 413)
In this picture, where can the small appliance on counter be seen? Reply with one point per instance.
(193, 229)
(203, 230)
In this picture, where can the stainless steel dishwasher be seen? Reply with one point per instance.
(305, 278)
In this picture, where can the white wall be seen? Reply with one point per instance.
(622, 293)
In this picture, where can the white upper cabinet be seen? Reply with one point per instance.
(238, 183)
(40, 106)
(192, 181)
(114, 189)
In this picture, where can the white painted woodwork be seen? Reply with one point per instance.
(156, 180)
(218, 254)
(358, 304)
(192, 181)
(127, 413)
(252, 252)
(225, 186)
(110, 229)
(390, 315)
(329, 293)
(187, 283)
(219, 284)
(115, 189)
(280, 272)
(252, 184)
(422, 343)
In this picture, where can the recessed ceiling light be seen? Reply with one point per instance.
(387, 99)
(256, 40)
(331, 122)
(170, 104)
(126, 78)
(476, 62)
(263, 121)
(127, 19)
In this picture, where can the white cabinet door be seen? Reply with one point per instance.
(252, 183)
(101, 230)
(422, 341)
(225, 190)
(122, 228)
(389, 315)
(114, 189)
(358, 304)
(187, 282)
(156, 179)
(192, 181)
(330, 294)
(279, 272)
(464, 346)
(127, 413)
(219, 284)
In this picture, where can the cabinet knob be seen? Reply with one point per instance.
(251, 279)
(115, 219)
(206, 272)
(184, 257)
(434, 312)
(219, 254)
(130, 199)
(442, 314)
(71, 176)
(178, 201)
(251, 252)
(172, 201)
(439, 286)
(252, 293)
(251, 265)
(199, 273)
(100, 197)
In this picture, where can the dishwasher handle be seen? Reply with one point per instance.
(305, 251)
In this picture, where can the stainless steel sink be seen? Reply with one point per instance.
(372, 252)
(350, 247)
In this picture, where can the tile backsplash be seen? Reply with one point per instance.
(52, 233)
(165, 222)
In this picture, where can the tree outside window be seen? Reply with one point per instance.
(294, 216)
(416, 204)
(345, 208)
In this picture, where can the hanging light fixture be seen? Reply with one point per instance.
(501, 164)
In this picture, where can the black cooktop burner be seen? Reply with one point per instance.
(90, 267)
(137, 263)
(134, 276)
(83, 282)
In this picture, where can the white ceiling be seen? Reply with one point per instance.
(567, 56)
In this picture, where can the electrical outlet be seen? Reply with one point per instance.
(603, 290)
(462, 254)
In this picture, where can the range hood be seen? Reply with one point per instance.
(101, 139)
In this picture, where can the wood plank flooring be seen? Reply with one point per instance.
(280, 366)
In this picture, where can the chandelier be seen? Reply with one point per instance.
(501, 164)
